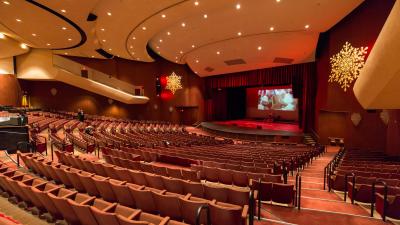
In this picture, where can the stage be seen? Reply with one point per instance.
(256, 130)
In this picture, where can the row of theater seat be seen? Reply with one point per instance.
(238, 178)
(247, 167)
(159, 170)
(148, 199)
(40, 196)
(86, 146)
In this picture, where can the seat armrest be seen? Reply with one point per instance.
(245, 211)
(164, 221)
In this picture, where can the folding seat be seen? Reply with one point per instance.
(62, 205)
(337, 181)
(110, 171)
(25, 187)
(62, 174)
(173, 185)
(255, 176)
(83, 212)
(108, 159)
(168, 205)
(87, 179)
(146, 168)
(218, 193)
(123, 174)
(240, 178)
(154, 181)
(190, 175)
(239, 196)
(194, 188)
(189, 207)
(160, 170)
(264, 189)
(146, 156)
(211, 174)
(175, 173)
(15, 189)
(99, 168)
(283, 193)
(233, 167)
(225, 176)
(48, 203)
(79, 163)
(71, 160)
(361, 191)
(135, 165)
(392, 209)
(105, 189)
(126, 163)
(37, 190)
(122, 193)
(115, 161)
(143, 199)
(249, 169)
(263, 170)
(43, 169)
(138, 177)
(222, 214)
(88, 165)
(73, 176)
(109, 217)
(273, 178)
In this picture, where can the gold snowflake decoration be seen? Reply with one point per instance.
(173, 83)
(347, 64)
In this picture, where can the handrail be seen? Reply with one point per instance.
(373, 199)
(259, 199)
(198, 213)
(345, 183)
(298, 190)
(251, 207)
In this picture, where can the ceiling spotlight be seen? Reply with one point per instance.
(110, 49)
(109, 14)
(92, 56)
(196, 3)
(307, 26)
(131, 46)
(168, 33)
(64, 28)
(205, 16)
(176, 61)
(218, 53)
(69, 39)
(144, 28)
(193, 46)
(183, 24)
(278, 0)
(271, 28)
(157, 47)
(66, 53)
(160, 40)
(163, 16)
(104, 40)
(34, 35)
(6, 2)
(48, 44)
(238, 6)
(239, 33)
(63, 10)
(176, 57)
(18, 20)
(102, 29)
(2, 36)
(259, 48)
(23, 46)
(132, 53)
(181, 52)
(134, 38)
(197, 61)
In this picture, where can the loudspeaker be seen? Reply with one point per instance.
(104, 53)
(158, 86)
(91, 17)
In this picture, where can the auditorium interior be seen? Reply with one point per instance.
(231, 112)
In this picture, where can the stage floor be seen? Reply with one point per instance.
(249, 127)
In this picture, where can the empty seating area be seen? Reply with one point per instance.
(369, 178)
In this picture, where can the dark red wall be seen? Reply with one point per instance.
(142, 74)
(334, 106)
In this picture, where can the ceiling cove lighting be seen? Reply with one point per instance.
(23, 46)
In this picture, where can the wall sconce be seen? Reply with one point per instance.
(110, 101)
(384, 115)
(355, 118)
(53, 91)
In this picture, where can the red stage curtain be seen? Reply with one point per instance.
(302, 77)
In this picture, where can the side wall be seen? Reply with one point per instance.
(10, 90)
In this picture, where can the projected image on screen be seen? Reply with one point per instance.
(276, 99)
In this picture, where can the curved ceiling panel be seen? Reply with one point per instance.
(37, 26)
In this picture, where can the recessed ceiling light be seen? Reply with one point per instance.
(176, 61)
(2, 36)
(271, 28)
(18, 20)
(69, 39)
(48, 44)
(159, 53)
(307, 26)
(218, 52)
(92, 56)
(278, 0)
(163, 16)
(110, 49)
(239, 33)
(63, 10)
(64, 28)
(66, 53)
(168, 33)
(176, 57)
(193, 46)
(157, 47)
(205, 16)
(104, 40)
(196, 3)
(238, 6)
(134, 38)
(131, 46)
(160, 40)
(259, 48)
(6, 2)
(197, 61)
(144, 28)
(183, 24)
(109, 14)
(23, 46)
(181, 52)
(34, 34)
(138, 58)
(102, 29)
